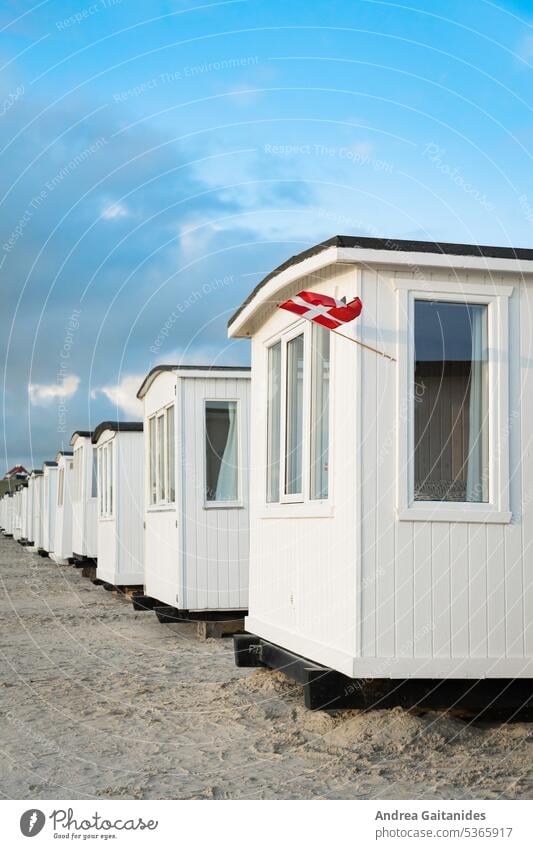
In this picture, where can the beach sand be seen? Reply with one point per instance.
(98, 701)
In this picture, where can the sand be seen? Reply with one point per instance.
(98, 701)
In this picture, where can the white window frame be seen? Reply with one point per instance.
(301, 504)
(161, 461)
(106, 484)
(496, 297)
(223, 505)
(77, 488)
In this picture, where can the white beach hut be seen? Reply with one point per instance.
(17, 512)
(49, 505)
(7, 514)
(196, 424)
(84, 500)
(62, 548)
(36, 484)
(24, 512)
(120, 453)
(390, 499)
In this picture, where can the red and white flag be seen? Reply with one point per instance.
(323, 309)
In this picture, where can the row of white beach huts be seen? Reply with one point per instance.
(379, 538)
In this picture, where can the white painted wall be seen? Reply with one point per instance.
(352, 585)
(120, 537)
(196, 555)
(62, 549)
(49, 504)
(84, 506)
(37, 521)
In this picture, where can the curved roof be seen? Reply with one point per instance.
(118, 427)
(49, 463)
(366, 243)
(63, 454)
(81, 433)
(153, 373)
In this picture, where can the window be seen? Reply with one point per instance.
(162, 459)
(294, 416)
(273, 421)
(320, 339)
(78, 471)
(161, 465)
(105, 479)
(450, 397)
(60, 487)
(94, 478)
(298, 416)
(171, 467)
(221, 451)
(153, 455)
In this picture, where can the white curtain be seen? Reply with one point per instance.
(477, 472)
(227, 478)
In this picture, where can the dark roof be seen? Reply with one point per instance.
(403, 245)
(64, 454)
(119, 427)
(80, 433)
(176, 366)
(36, 471)
(49, 463)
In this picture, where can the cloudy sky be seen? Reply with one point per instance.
(159, 158)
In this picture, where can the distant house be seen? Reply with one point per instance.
(12, 478)
(17, 473)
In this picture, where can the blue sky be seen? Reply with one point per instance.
(159, 158)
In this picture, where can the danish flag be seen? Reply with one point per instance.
(323, 309)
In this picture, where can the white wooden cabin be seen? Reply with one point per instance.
(84, 497)
(7, 514)
(196, 425)
(36, 485)
(49, 504)
(24, 512)
(17, 513)
(120, 453)
(62, 549)
(391, 509)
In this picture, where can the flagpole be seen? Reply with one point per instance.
(364, 345)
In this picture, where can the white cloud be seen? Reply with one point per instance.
(42, 394)
(116, 210)
(123, 394)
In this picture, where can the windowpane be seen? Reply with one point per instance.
(161, 458)
(110, 479)
(152, 447)
(319, 411)
(294, 416)
(273, 421)
(221, 446)
(451, 402)
(171, 471)
(94, 480)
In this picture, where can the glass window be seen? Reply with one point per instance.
(161, 489)
(110, 502)
(153, 462)
(320, 339)
(451, 402)
(294, 416)
(94, 479)
(60, 487)
(77, 489)
(171, 469)
(221, 446)
(273, 421)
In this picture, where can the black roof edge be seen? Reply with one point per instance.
(49, 463)
(372, 243)
(176, 366)
(36, 472)
(118, 427)
(88, 433)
